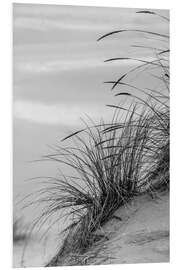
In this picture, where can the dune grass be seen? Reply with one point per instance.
(111, 167)
(113, 162)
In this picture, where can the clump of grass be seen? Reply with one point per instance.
(112, 167)
(112, 162)
(108, 166)
(118, 163)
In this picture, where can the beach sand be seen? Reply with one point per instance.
(137, 233)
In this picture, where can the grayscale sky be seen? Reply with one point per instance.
(59, 72)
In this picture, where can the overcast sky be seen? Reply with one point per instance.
(59, 72)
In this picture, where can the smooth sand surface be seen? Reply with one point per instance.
(141, 235)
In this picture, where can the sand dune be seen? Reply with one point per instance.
(138, 233)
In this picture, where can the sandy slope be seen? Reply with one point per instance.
(139, 233)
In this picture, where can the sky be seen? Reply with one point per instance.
(59, 70)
